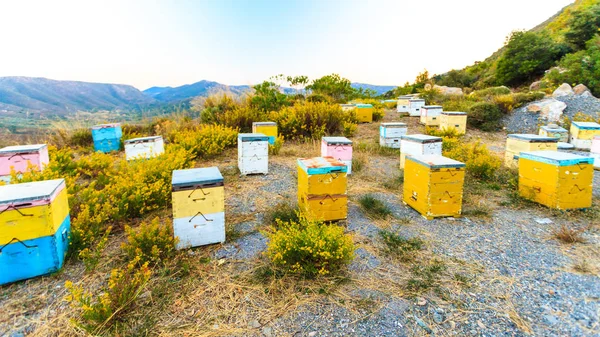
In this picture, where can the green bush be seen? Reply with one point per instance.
(378, 114)
(81, 137)
(485, 116)
(311, 120)
(151, 242)
(491, 91)
(207, 141)
(374, 207)
(399, 246)
(480, 162)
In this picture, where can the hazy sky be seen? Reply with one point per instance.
(169, 43)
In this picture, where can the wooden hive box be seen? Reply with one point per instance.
(414, 106)
(402, 105)
(339, 148)
(322, 186)
(430, 115)
(595, 152)
(364, 113)
(253, 153)
(419, 144)
(390, 134)
(107, 137)
(144, 148)
(582, 134)
(556, 179)
(268, 129)
(554, 131)
(347, 107)
(198, 207)
(34, 229)
(517, 143)
(454, 120)
(433, 185)
(22, 157)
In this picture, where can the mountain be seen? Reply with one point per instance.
(42, 95)
(184, 92)
(380, 89)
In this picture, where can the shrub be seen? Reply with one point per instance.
(444, 133)
(311, 120)
(569, 235)
(349, 128)
(240, 118)
(91, 257)
(283, 212)
(276, 147)
(506, 103)
(124, 286)
(480, 162)
(310, 248)
(316, 98)
(378, 114)
(426, 276)
(207, 141)
(152, 242)
(81, 137)
(374, 207)
(485, 116)
(399, 246)
(491, 91)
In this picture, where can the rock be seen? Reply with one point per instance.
(254, 324)
(423, 325)
(448, 90)
(564, 90)
(586, 94)
(422, 302)
(481, 325)
(550, 320)
(438, 317)
(452, 325)
(549, 108)
(543, 221)
(580, 89)
(535, 85)
(312, 334)
(267, 331)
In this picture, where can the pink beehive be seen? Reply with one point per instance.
(595, 145)
(21, 157)
(339, 148)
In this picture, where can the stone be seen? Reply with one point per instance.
(481, 325)
(312, 334)
(422, 302)
(438, 317)
(550, 320)
(453, 91)
(267, 331)
(535, 85)
(549, 108)
(564, 90)
(586, 94)
(580, 89)
(543, 221)
(254, 324)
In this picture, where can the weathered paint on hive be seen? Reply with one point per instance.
(339, 148)
(253, 153)
(21, 158)
(582, 134)
(322, 165)
(556, 132)
(107, 137)
(517, 143)
(392, 130)
(454, 120)
(199, 230)
(319, 184)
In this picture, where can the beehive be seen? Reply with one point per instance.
(595, 152)
(430, 115)
(454, 120)
(582, 134)
(22, 157)
(419, 145)
(198, 207)
(107, 137)
(402, 105)
(268, 129)
(556, 179)
(364, 113)
(322, 185)
(433, 185)
(517, 143)
(253, 153)
(144, 148)
(34, 229)
(553, 130)
(414, 106)
(390, 134)
(347, 107)
(339, 148)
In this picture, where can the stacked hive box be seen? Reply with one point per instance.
(390, 134)
(364, 113)
(34, 229)
(419, 145)
(433, 185)
(144, 148)
(107, 137)
(339, 148)
(21, 158)
(556, 179)
(198, 207)
(430, 115)
(582, 134)
(347, 107)
(595, 151)
(402, 105)
(414, 107)
(517, 143)
(553, 130)
(322, 184)
(268, 129)
(253, 153)
(454, 120)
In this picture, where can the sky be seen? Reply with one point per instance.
(148, 43)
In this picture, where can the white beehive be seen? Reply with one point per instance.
(144, 148)
(430, 115)
(253, 153)
(402, 105)
(390, 134)
(419, 145)
(414, 106)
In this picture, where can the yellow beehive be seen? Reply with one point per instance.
(582, 134)
(556, 179)
(553, 130)
(433, 185)
(454, 120)
(364, 113)
(268, 129)
(322, 185)
(430, 115)
(517, 143)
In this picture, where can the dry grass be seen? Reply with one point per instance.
(569, 235)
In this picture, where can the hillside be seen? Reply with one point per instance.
(187, 91)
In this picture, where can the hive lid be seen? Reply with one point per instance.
(419, 138)
(404, 97)
(553, 129)
(454, 113)
(23, 148)
(557, 158)
(361, 105)
(252, 137)
(417, 100)
(196, 176)
(142, 139)
(531, 138)
(565, 146)
(393, 124)
(37, 190)
(587, 125)
(435, 161)
(348, 105)
(106, 126)
(264, 124)
(322, 165)
(337, 140)
(432, 107)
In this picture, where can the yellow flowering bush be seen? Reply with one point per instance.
(207, 140)
(480, 162)
(349, 128)
(309, 248)
(276, 147)
(124, 286)
(311, 120)
(152, 242)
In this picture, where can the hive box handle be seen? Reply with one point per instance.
(16, 209)
(16, 240)
(199, 213)
(327, 196)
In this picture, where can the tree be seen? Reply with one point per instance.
(267, 97)
(580, 67)
(583, 26)
(334, 86)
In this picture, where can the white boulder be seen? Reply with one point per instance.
(549, 108)
(448, 90)
(564, 90)
(580, 89)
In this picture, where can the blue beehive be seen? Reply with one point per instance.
(107, 137)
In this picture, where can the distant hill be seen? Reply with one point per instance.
(380, 89)
(202, 88)
(35, 94)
